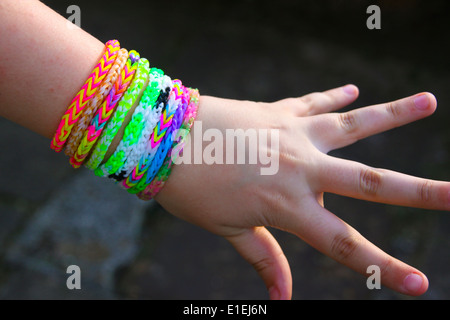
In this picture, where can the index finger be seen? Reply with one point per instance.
(336, 130)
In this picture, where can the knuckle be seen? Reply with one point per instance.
(310, 98)
(385, 267)
(424, 190)
(328, 96)
(263, 264)
(369, 181)
(393, 109)
(348, 121)
(343, 246)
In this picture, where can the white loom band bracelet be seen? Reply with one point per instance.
(152, 120)
(134, 127)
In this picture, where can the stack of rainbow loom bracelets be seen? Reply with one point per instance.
(158, 126)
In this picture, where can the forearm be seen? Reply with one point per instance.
(43, 63)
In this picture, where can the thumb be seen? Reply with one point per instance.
(262, 251)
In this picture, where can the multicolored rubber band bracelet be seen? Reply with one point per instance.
(134, 56)
(80, 127)
(83, 96)
(174, 101)
(154, 116)
(168, 140)
(129, 98)
(134, 127)
(149, 120)
(164, 146)
(177, 146)
(103, 114)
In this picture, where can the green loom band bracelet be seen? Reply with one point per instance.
(124, 105)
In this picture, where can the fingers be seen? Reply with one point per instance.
(321, 102)
(333, 237)
(332, 131)
(353, 179)
(262, 251)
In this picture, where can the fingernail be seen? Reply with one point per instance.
(422, 102)
(413, 282)
(274, 293)
(349, 89)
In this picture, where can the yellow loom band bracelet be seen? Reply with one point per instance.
(103, 114)
(83, 96)
(91, 108)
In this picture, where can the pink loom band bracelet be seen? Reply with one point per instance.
(164, 172)
(103, 114)
(86, 92)
(91, 108)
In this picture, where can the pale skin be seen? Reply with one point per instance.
(39, 55)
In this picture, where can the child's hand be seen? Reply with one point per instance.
(236, 201)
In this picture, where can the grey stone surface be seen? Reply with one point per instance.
(98, 233)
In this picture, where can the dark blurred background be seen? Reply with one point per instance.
(52, 216)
